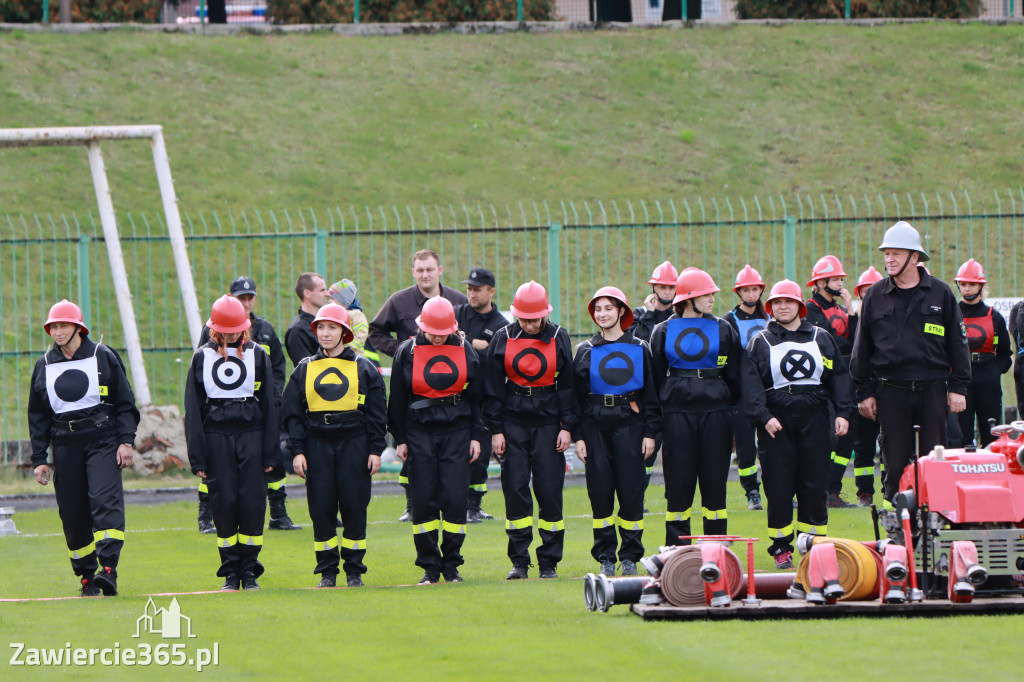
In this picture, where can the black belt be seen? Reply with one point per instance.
(530, 390)
(705, 373)
(911, 384)
(352, 418)
(614, 400)
(448, 400)
(978, 357)
(81, 424)
(218, 402)
(799, 388)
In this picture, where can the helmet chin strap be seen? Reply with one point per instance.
(833, 292)
(71, 338)
(663, 301)
(905, 264)
(335, 346)
(970, 298)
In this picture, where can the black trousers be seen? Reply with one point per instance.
(865, 447)
(478, 469)
(796, 462)
(615, 466)
(899, 410)
(438, 477)
(697, 450)
(90, 500)
(338, 482)
(1018, 383)
(238, 499)
(746, 450)
(530, 452)
(842, 453)
(984, 402)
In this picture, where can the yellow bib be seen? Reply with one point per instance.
(332, 385)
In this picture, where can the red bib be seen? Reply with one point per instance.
(981, 333)
(530, 362)
(838, 320)
(438, 371)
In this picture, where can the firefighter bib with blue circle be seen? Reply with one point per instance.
(692, 343)
(747, 329)
(616, 368)
(73, 385)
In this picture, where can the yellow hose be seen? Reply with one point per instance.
(858, 569)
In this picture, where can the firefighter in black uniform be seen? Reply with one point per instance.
(1016, 329)
(335, 415)
(262, 334)
(799, 381)
(747, 318)
(530, 410)
(910, 364)
(865, 431)
(621, 416)
(478, 321)
(824, 310)
(83, 408)
(989, 343)
(434, 416)
(232, 433)
(299, 340)
(697, 366)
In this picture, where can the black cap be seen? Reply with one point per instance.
(480, 277)
(243, 285)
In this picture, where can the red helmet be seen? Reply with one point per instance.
(332, 312)
(748, 277)
(826, 267)
(692, 283)
(66, 311)
(228, 316)
(616, 295)
(866, 279)
(971, 271)
(664, 274)
(437, 317)
(787, 288)
(531, 301)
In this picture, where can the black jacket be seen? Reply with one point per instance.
(833, 318)
(398, 315)
(263, 334)
(116, 398)
(763, 401)
(644, 321)
(476, 326)
(372, 408)
(616, 416)
(986, 368)
(402, 412)
(299, 339)
(892, 341)
(500, 403)
(211, 415)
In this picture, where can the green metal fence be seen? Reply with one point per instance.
(571, 247)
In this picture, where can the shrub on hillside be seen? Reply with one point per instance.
(388, 11)
(83, 11)
(859, 9)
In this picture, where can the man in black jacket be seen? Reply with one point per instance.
(299, 339)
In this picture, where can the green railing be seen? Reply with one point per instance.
(573, 248)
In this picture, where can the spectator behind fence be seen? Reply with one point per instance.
(343, 292)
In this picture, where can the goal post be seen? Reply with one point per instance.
(91, 138)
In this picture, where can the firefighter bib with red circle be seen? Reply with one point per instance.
(531, 362)
(981, 333)
(838, 319)
(439, 371)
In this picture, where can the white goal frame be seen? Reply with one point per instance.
(91, 137)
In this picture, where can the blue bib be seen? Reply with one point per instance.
(616, 368)
(692, 343)
(748, 328)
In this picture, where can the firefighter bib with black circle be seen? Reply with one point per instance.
(231, 376)
(981, 333)
(439, 371)
(692, 343)
(747, 329)
(799, 364)
(616, 368)
(531, 362)
(332, 385)
(73, 385)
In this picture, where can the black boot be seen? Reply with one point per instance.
(476, 498)
(278, 513)
(205, 514)
(406, 517)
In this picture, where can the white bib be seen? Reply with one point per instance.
(796, 363)
(230, 377)
(73, 385)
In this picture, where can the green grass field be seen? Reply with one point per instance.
(485, 628)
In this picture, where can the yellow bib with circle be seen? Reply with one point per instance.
(332, 385)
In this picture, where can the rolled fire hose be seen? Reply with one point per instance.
(859, 569)
(680, 577)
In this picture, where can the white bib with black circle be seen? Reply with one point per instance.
(231, 376)
(73, 385)
(796, 364)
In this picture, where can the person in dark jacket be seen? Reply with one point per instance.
(479, 320)
(697, 367)
(434, 416)
(910, 365)
(1016, 330)
(261, 333)
(747, 318)
(335, 414)
(989, 343)
(232, 434)
(799, 381)
(657, 306)
(865, 431)
(621, 416)
(530, 410)
(299, 340)
(82, 407)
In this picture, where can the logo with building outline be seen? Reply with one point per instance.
(168, 622)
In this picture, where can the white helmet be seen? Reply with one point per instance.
(902, 235)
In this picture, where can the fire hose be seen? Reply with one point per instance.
(859, 568)
(680, 577)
